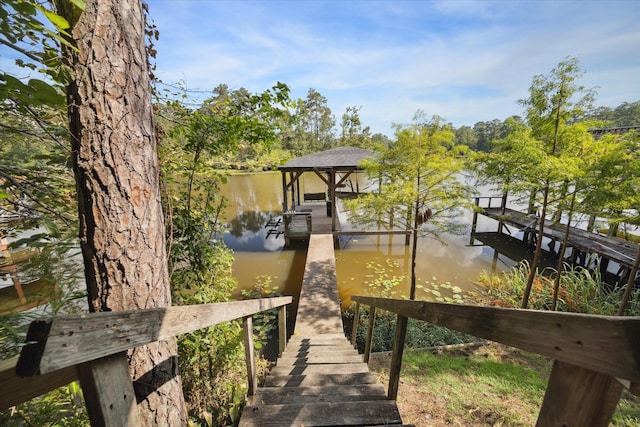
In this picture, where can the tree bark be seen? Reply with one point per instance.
(117, 175)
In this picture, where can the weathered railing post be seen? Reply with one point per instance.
(356, 322)
(282, 329)
(367, 345)
(396, 357)
(108, 391)
(578, 396)
(249, 352)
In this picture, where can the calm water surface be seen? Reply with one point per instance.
(256, 198)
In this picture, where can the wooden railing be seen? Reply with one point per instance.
(92, 348)
(501, 199)
(594, 356)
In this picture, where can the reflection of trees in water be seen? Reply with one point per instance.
(247, 221)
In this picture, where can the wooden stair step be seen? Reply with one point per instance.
(318, 342)
(319, 345)
(311, 344)
(316, 359)
(295, 353)
(381, 412)
(322, 369)
(318, 394)
(303, 352)
(318, 337)
(320, 380)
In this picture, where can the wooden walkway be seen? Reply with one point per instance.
(320, 379)
(611, 248)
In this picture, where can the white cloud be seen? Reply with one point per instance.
(466, 61)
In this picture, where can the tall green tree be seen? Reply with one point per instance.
(420, 189)
(554, 99)
(352, 132)
(465, 135)
(314, 124)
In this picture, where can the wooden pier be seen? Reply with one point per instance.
(581, 243)
(306, 219)
(320, 379)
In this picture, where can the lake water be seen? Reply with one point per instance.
(255, 198)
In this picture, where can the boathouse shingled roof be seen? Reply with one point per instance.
(346, 158)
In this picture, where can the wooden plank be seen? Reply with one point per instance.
(578, 397)
(606, 344)
(319, 306)
(371, 232)
(64, 341)
(17, 389)
(317, 394)
(320, 380)
(323, 369)
(314, 359)
(320, 346)
(323, 414)
(108, 391)
(318, 338)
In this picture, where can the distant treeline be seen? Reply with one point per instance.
(479, 136)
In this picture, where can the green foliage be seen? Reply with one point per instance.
(266, 322)
(313, 125)
(234, 125)
(421, 167)
(419, 334)
(56, 264)
(352, 132)
(230, 123)
(625, 114)
(581, 291)
(63, 407)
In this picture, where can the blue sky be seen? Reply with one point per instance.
(466, 61)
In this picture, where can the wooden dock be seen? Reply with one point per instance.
(581, 242)
(320, 379)
(300, 223)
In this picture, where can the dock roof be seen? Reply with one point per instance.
(339, 158)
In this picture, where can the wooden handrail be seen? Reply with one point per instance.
(63, 341)
(591, 353)
(62, 347)
(607, 344)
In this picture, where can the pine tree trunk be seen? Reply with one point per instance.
(117, 174)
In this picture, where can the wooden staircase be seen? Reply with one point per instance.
(320, 380)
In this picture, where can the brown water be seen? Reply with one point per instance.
(255, 198)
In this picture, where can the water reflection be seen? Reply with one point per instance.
(248, 232)
(255, 199)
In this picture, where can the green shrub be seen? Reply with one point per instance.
(581, 291)
(419, 334)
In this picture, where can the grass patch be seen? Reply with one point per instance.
(487, 385)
